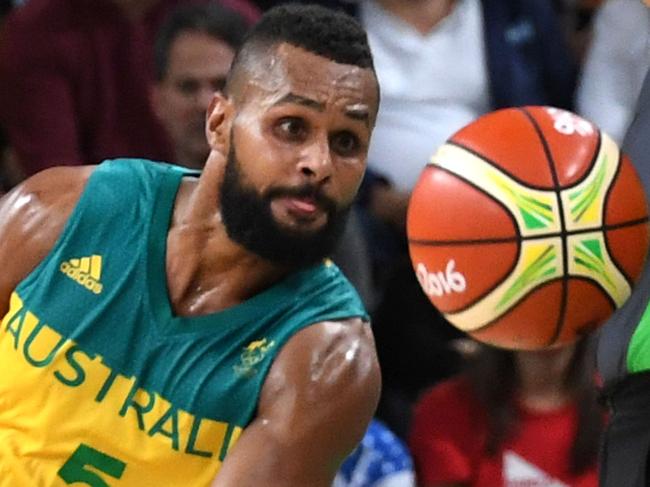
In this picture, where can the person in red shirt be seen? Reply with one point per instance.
(514, 418)
(75, 78)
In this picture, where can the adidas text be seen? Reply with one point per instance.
(82, 278)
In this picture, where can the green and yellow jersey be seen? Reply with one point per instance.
(101, 384)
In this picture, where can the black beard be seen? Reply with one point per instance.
(249, 221)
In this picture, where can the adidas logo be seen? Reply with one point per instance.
(85, 271)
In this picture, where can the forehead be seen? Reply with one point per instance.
(291, 70)
(199, 50)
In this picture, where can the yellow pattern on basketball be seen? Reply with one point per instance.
(528, 228)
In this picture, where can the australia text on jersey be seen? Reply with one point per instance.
(40, 346)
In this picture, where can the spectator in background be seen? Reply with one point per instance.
(616, 63)
(75, 77)
(512, 52)
(513, 418)
(193, 54)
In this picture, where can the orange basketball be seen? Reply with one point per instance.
(528, 228)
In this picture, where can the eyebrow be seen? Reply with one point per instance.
(360, 114)
(301, 100)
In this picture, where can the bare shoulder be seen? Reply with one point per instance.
(46, 198)
(32, 217)
(332, 367)
(52, 182)
(348, 344)
(315, 407)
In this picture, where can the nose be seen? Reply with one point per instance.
(315, 164)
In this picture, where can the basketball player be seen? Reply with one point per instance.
(164, 328)
(624, 348)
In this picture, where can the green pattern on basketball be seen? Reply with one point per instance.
(543, 221)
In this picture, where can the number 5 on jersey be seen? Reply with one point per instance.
(81, 467)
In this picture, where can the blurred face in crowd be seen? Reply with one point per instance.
(298, 149)
(197, 67)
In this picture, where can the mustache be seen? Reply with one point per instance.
(305, 191)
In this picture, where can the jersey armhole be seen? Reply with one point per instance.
(60, 240)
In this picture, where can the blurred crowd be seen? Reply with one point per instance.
(82, 81)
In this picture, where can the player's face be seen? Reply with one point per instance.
(299, 147)
(248, 219)
(197, 67)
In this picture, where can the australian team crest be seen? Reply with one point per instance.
(252, 355)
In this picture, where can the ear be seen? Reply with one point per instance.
(218, 124)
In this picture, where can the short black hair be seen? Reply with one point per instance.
(326, 32)
(213, 19)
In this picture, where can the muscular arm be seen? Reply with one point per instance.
(316, 403)
(32, 217)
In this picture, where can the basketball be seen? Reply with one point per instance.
(528, 228)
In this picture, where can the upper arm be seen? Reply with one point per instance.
(315, 406)
(32, 217)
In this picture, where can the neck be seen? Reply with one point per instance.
(206, 270)
(189, 159)
(423, 15)
(542, 378)
(544, 396)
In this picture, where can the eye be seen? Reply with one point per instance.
(345, 143)
(292, 128)
(218, 84)
(188, 87)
